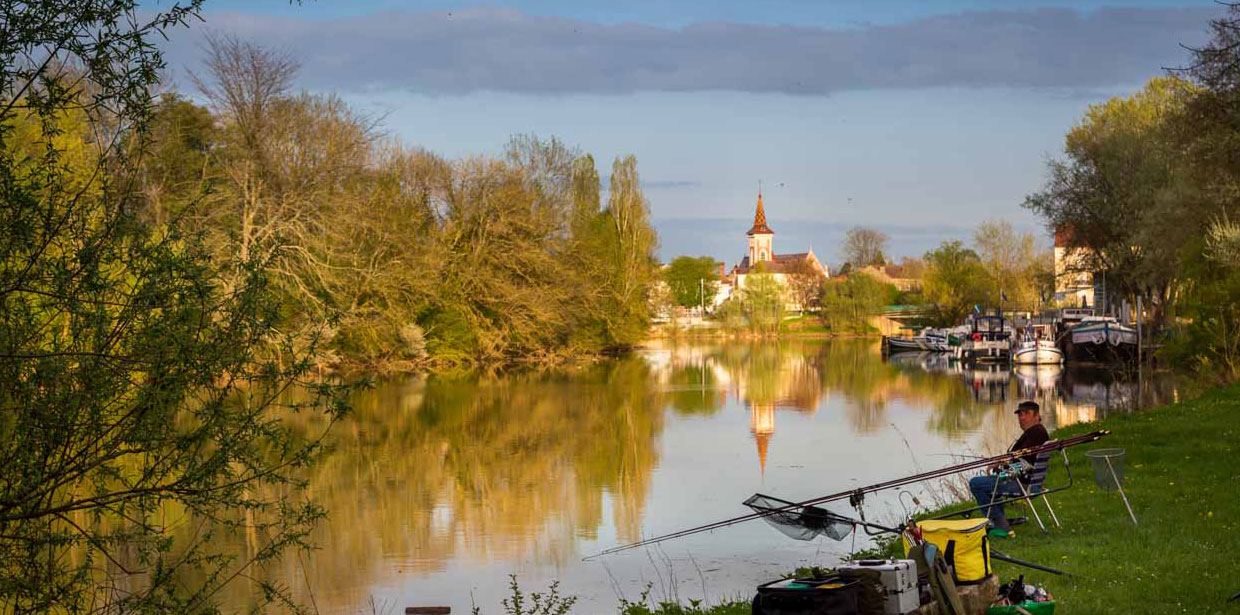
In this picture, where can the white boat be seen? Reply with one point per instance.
(989, 340)
(938, 340)
(1037, 352)
(927, 340)
(901, 344)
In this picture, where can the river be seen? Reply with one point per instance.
(439, 487)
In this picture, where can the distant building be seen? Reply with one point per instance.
(895, 275)
(761, 256)
(1074, 279)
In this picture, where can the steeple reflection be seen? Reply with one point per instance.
(435, 482)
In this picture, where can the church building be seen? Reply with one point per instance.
(761, 257)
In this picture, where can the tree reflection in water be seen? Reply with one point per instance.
(435, 476)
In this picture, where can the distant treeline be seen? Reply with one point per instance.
(409, 258)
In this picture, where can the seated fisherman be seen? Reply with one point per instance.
(983, 487)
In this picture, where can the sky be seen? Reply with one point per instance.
(919, 118)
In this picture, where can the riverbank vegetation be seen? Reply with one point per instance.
(1179, 477)
(145, 374)
(176, 278)
(1180, 481)
(1144, 196)
(412, 259)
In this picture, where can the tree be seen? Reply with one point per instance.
(762, 300)
(848, 304)
(145, 382)
(632, 242)
(805, 284)
(912, 268)
(1012, 261)
(177, 168)
(693, 280)
(865, 247)
(1121, 183)
(954, 283)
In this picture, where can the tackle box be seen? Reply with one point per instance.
(894, 582)
(827, 596)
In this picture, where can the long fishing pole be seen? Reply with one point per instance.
(1008, 457)
(1020, 562)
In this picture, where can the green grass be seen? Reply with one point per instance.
(1183, 480)
(728, 607)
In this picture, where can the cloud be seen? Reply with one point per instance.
(502, 50)
(656, 184)
(670, 184)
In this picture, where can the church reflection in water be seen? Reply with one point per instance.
(433, 479)
(799, 376)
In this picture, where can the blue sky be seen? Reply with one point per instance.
(918, 118)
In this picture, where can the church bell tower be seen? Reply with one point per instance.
(760, 237)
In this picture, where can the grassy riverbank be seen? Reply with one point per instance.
(1183, 480)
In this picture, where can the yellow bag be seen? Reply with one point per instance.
(964, 545)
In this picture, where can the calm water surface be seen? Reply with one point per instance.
(438, 488)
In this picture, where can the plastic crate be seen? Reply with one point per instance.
(1034, 608)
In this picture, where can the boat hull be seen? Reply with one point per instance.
(1043, 353)
(985, 351)
(1100, 343)
(902, 344)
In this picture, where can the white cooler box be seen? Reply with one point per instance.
(899, 580)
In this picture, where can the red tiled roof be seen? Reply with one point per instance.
(782, 263)
(759, 221)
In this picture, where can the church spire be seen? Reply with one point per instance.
(759, 219)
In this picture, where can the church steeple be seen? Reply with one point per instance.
(760, 236)
(759, 220)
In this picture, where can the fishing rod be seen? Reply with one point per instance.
(855, 495)
(819, 516)
(1020, 562)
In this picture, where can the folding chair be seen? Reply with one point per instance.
(1033, 487)
(1028, 491)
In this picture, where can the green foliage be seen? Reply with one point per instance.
(146, 380)
(1123, 180)
(182, 134)
(848, 304)
(691, 279)
(642, 606)
(762, 302)
(954, 282)
(732, 314)
(495, 260)
(1015, 267)
(551, 603)
(1209, 336)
